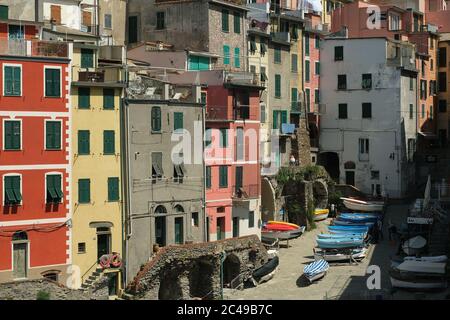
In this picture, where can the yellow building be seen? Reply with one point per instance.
(97, 87)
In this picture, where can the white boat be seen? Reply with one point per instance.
(412, 274)
(272, 253)
(316, 270)
(414, 245)
(419, 284)
(422, 267)
(321, 214)
(442, 258)
(330, 256)
(359, 205)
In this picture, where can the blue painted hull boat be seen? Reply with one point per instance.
(339, 222)
(316, 270)
(339, 243)
(341, 236)
(348, 229)
(357, 218)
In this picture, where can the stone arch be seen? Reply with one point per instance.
(178, 209)
(160, 225)
(170, 287)
(20, 236)
(330, 161)
(268, 200)
(231, 269)
(320, 193)
(201, 279)
(349, 165)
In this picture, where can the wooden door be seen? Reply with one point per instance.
(20, 256)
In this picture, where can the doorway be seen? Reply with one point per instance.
(220, 228)
(132, 29)
(179, 238)
(103, 241)
(20, 260)
(235, 227)
(350, 178)
(160, 226)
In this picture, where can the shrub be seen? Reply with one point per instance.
(43, 295)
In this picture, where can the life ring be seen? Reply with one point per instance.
(116, 260)
(105, 261)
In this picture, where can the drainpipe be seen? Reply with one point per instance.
(222, 259)
(205, 214)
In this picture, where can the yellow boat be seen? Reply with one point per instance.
(321, 214)
(285, 223)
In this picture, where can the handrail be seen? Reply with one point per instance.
(90, 268)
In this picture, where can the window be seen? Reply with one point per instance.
(83, 142)
(431, 64)
(223, 176)
(342, 82)
(53, 135)
(225, 27)
(442, 57)
(294, 32)
(87, 58)
(108, 21)
(263, 48)
(237, 62)
(411, 149)
(442, 105)
(411, 111)
(108, 142)
(113, 189)
(226, 54)
(177, 121)
(157, 168)
(423, 111)
(4, 12)
(338, 53)
(84, 190)
(252, 44)
(442, 81)
(84, 98)
(307, 71)
(264, 77)
(308, 99)
(208, 177)
(431, 112)
(423, 67)
(343, 111)
(279, 117)
(223, 137)
(195, 219)
(251, 219)
(81, 247)
(317, 42)
(317, 68)
(316, 96)
(203, 97)
(198, 63)
(277, 55)
(411, 83)
(12, 135)
(375, 175)
(208, 137)
(294, 98)
(160, 23)
(52, 82)
(16, 31)
(237, 22)
(12, 80)
(306, 44)
(423, 89)
(253, 69)
(366, 110)
(367, 81)
(156, 119)
(394, 22)
(294, 63)
(108, 99)
(178, 172)
(277, 86)
(13, 195)
(54, 191)
(363, 149)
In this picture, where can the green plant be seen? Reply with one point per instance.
(43, 295)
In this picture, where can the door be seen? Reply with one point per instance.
(20, 260)
(220, 228)
(160, 231)
(179, 238)
(350, 178)
(238, 179)
(103, 244)
(207, 229)
(132, 29)
(235, 227)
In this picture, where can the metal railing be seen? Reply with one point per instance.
(33, 48)
(246, 191)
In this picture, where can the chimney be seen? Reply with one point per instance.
(166, 91)
(197, 93)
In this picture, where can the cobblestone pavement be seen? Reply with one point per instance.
(343, 281)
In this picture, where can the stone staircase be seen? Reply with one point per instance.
(92, 279)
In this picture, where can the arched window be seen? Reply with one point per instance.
(179, 209)
(160, 209)
(20, 236)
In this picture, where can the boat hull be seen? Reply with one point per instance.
(339, 243)
(320, 217)
(366, 207)
(333, 257)
(314, 277)
(396, 283)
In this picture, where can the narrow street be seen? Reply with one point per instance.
(343, 281)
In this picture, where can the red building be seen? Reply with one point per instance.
(34, 155)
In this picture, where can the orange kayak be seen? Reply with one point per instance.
(283, 223)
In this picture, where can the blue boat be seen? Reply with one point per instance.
(339, 222)
(363, 214)
(357, 219)
(339, 243)
(316, 270)
(341, 235)
(359, 216)
(348, 229)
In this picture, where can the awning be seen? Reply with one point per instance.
(101, 224)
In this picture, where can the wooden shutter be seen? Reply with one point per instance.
(87, 58)
(53, 135)
(87, 18)
(284, 117)
(237, 53)
(307, 70)
(84, 98)
(225, 27)
(84, 190)
(108, 98)
(8, 80)
(208, 177)
(16, 81)
(223, 176)
(55, 14)
(108, 142)
(226, 55)
(113, 189)
(178, 120)
(239, 177)
(237, 22)
(277, 86)
(156, 119)
(4, 12)
(275, 119)
(83, 142)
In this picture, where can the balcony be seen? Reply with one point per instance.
(296, 108)
(281, 37)
(242, 78)
(246, 192)
(112, 75)
(33, 48)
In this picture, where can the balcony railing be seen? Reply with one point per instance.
(99, 75)
(242, 78)
(246, 191)
(281, 36)
(33, 48)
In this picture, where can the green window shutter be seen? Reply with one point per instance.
(284, 118)
(294, 98)
(277, 55)
(223, 176)
(307, 71)
(84, 98)
(83, 142)
(225, 19)
(8, 80)
(194, 63)
(277, 86)
(223, 138)
(177, 120)
(317, 68)
(306, 44)
(294, 63)
(226, 55)
(16, 81)
(208, 178)
(4, 12)
(203, 63)
(13, 195)
(237, 54)
(108, 98)
(113, 189)
(308, 99)
(108, 142)
(53, 135)
(12, 81)
(52, 83)
(84, 190)
(317, 43)
(16, 188)
(54, 191)
(12, 135)
(156, 119)
(276, 119)
(87, 58)
(237, 22)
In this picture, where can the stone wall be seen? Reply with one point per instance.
(194, 270)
